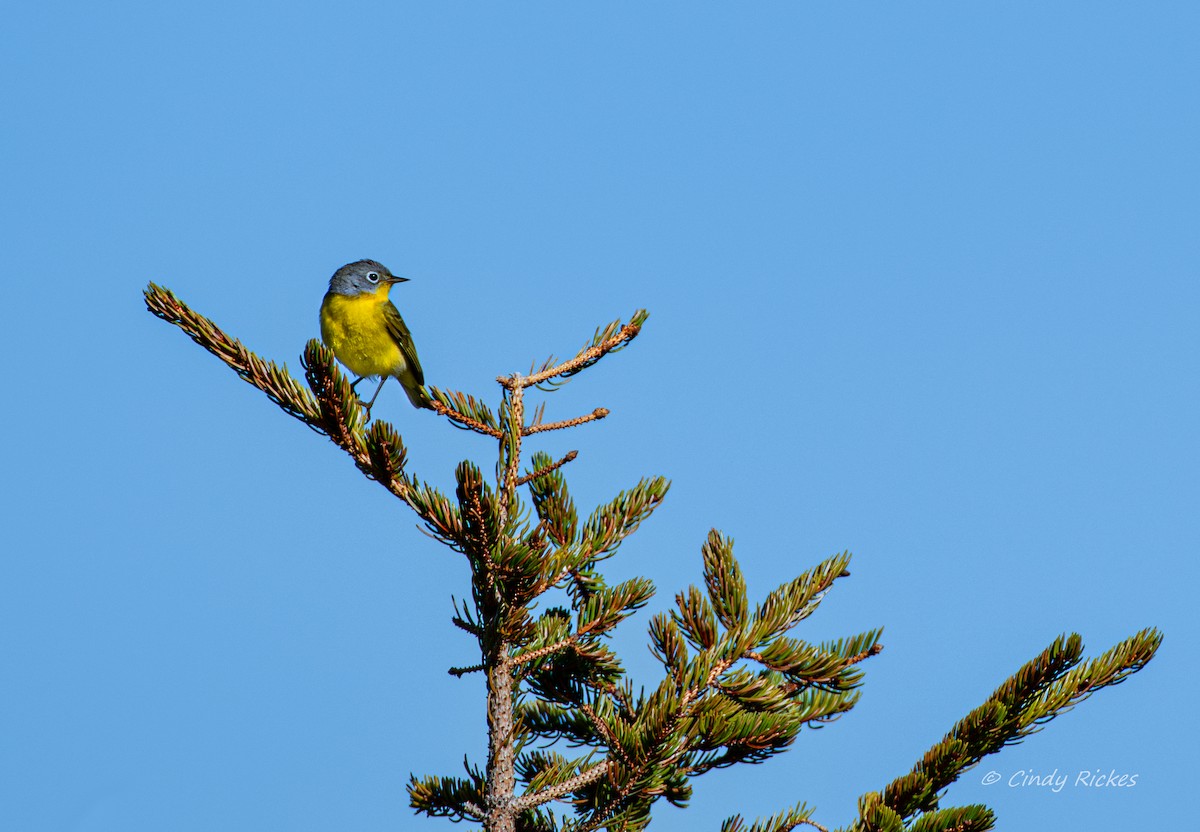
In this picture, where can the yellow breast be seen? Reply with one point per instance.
(356, 330)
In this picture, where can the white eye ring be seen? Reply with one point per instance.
(373, 277)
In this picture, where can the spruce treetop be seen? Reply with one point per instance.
(573, 743)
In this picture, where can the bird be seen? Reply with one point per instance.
(366, 333)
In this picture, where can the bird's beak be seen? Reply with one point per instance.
(393, 280)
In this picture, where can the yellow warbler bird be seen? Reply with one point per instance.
(366, 333)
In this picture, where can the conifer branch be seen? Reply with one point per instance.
(443, 520)
(463, 671)
(1035, 694)
(465, 410)
(464, 621)
(448, 797)
(462, 420)
(552, 501)
(584, 778)
(540, 718)
(467, 627)
(268, 377)
(611, 523)
(541, 472)
(601, 612)
(604, 732)
(331, 408)
(598, 413)
(784, 821)
(873, 650)
(661, 753)
(808, 667)
(974, 818)
(337, 402)
(612, 338)
(550, 649)
(476, 534)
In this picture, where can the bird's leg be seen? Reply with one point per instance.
(354, 383)
(367, 405)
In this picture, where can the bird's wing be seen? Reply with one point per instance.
(399, 332)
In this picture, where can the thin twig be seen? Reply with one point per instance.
(541, 472)
(463, 671)
(603, 730)
(542, 652)
(465, 421)
(873, 650)
(516, 416)
(584, 778)
(598, 413)
(587, 356)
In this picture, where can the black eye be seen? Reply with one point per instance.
(373, 277)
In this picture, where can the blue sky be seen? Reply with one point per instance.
(922, 282)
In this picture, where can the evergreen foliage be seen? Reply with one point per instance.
(566, 725)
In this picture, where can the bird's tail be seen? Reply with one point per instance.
(418, 396)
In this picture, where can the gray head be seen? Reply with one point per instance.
(363, 277)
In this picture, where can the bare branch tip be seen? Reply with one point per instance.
(598, 413)
(463, 671)
(541, 472)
